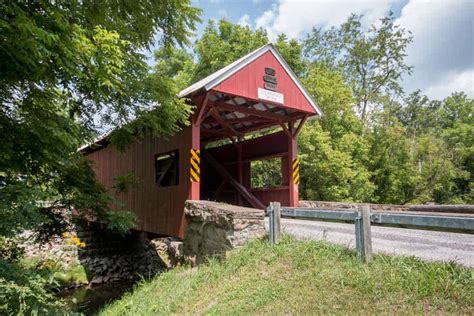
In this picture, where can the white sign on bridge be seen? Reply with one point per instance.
(270, 96)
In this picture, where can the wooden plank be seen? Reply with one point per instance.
(159, 209)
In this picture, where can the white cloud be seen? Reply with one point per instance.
(297, 17)
(244, 20)
(443, 30)
(449, 83)
(265, 19)
(442, 49)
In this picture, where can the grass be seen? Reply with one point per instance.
(301, 277)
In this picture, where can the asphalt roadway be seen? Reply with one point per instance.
(427, 245)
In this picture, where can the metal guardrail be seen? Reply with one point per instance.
(422, 221)
(363, 218)
(442, 223)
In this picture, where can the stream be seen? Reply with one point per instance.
(91, 299)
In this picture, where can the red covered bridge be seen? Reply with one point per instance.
(257, 92)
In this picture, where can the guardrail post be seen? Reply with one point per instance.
(271, 223)
(274, 211)
(363, 233)
(277, 219)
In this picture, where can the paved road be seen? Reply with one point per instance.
(428, 245)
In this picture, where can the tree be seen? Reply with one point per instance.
(64, 66)
(441, 145)
(67, 68)
(332, 151)
(292, 52)
(222, 44)
(457, 119)
(404, 154)
(393, 172)
(373, 61)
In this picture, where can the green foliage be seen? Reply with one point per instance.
(330, 170)
(10, 250)
(23, 291)
(120, 222)
(56, 272)
(373, 61)
(390, 163)
(302, 277)
(222, 44)
(402, 153)
(66, 70)
(441, 145)
(124, 183)
(266, 173)
(292, 52)
(332, 150)
(410, 150)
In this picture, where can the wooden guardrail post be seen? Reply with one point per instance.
(274, 212)
(363, 233)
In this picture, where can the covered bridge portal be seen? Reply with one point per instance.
(254, 93)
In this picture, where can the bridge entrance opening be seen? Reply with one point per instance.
(243, 140)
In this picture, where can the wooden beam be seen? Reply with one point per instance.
(251, 111)
(219, 132)
(201, 110)
(242, 131)
(247, 119)
(298, 129)
(285, 129)
(256, 127)
(222, 122)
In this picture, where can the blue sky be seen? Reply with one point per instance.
(443, 48)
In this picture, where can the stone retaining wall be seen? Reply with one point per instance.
(213, 228)
(106, 257)
(110, 257)
(351, 206)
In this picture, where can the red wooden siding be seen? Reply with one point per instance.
(159, 209)
(247, 80)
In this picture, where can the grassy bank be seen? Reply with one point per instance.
(303, 277)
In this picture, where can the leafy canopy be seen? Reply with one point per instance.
(372, 61)
(67, 68)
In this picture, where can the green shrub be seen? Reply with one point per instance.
(24, 291)
(10, 249)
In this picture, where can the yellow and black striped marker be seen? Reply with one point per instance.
(195, 169)
(296, 171)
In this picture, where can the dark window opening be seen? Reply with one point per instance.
(167, 169)
(266, 173)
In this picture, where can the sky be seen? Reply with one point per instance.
(442, 51)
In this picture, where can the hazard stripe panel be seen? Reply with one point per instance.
(296, 171)
(195, 166)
